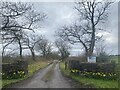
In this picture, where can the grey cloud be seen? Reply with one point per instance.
(62, 13)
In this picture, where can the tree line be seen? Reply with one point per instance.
(18, 18)
(84, 31)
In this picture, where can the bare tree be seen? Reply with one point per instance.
(10, 29)
(10, 12)
(102, 55)
(16, 17)
(18, 36)
(55, 55)
(31, 41)
(100, 47)
(91, 15)
(44, 47)
(63, 48)
(4, 45)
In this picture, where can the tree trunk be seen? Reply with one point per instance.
(92, 44)
(86, 50)
(32, 53)
(20, 47)
(3, 50)
(44, 53)
(86, 53)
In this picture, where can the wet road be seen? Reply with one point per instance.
(36, 81)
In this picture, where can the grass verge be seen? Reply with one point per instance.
(32, 68)
(96, 83)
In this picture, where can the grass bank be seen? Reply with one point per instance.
(96, 83)
(32, 68)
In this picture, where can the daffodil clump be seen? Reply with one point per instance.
(13, 75)
(98, 75)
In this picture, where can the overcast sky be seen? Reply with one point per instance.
(63, 13)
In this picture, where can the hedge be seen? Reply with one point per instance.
(14, 70)
(93, 70)
(92, 67)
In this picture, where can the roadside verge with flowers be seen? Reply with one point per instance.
(32, 68)
(87, 78)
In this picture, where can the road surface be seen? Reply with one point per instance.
(36, 81)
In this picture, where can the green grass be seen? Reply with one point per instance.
(97, 83)
(0, 82)
(118, 69)
(32, 68)
(7, 82)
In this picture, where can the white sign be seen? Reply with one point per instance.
(92, 59)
